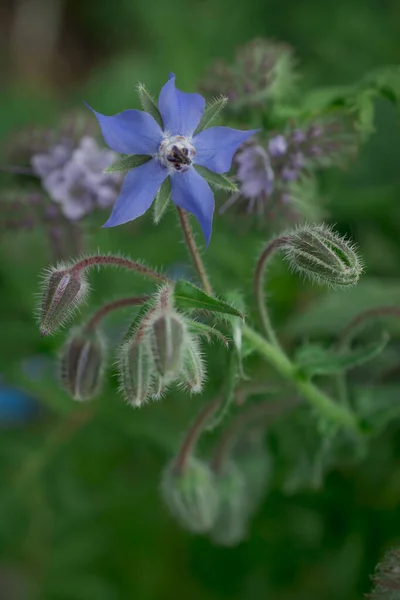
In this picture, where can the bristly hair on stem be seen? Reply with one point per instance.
(104, 310)
(259, 274)
(111, 260)
(194, 251)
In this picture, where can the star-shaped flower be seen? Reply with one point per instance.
(174, 151)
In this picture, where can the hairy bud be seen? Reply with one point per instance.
(166, 335)
(230, 526)
(191, 495)
(136, 370)
(63, 290)
(193, 373)
(387, 577)
(323, 256)
(82, 363)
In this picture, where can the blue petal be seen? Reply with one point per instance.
(130, 132)
(216, 146)
(192, 193)
(181, 112)
(138, 191)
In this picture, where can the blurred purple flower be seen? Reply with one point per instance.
(266, 175)
(277, 146)
(74, 177)
(173, 152)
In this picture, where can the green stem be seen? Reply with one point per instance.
(316, 397)
(194, 251)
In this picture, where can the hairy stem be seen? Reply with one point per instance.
(193, 435)
(316, 397)
(259, 275)
(103, 311)
(118, 261)
(254, 413)
(194, 251)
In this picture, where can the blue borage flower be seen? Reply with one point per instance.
(174, 152)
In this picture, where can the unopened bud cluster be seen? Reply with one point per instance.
(219, 502)
(159, 352)
(323, 256)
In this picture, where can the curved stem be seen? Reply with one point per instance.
(193, 435)
(266, 255)
(348, 333)
(316, 397)
(362, 319)
(194, 251)
(253, 413)
(118, 261)
(103, 311)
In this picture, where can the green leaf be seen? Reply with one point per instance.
(162, 200)
(189, 296)
(211, 112)
(149, 104)
(316, 360)
(218, 180)
(126, 163)
(377, 406)
(208, 331)
(241, 348)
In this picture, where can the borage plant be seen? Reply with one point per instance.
(170, 152)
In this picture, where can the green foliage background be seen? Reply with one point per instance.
(80, 513)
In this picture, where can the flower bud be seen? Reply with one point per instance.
(230, 526)
(323, 256)
(191, 495)
(254, 462)
(386, 579)
(193, 373)
(166, 334)
(136, 370)
(82, 363)
(63, 290)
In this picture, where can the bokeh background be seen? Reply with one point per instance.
(80, 511)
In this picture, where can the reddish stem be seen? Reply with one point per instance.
(118, 261)
(262, 262)
(253, 413)
(355, 324)
(107, 308)
(193, 435)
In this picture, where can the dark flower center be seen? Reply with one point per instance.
(177, 153)
(178, 157)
